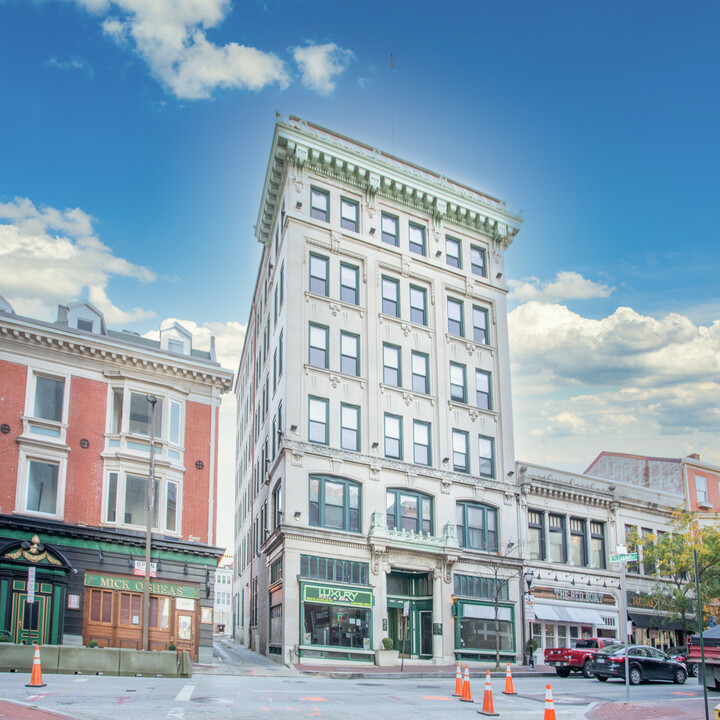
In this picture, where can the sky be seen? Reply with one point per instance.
(135, 134)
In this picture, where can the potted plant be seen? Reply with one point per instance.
(93, 644)
(386, 656)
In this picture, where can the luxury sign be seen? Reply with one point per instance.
(338, 596)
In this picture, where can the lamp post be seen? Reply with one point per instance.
(529, 576)
(152, 400)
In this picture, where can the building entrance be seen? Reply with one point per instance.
(412, 632)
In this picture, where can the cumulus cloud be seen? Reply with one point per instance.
(72, 63)
(320, 64)
(567, 285)
(51, 256)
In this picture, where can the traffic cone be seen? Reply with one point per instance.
(466, 695)
(509, 690)
(549, 705)
(36, 675)
(458, 681)
(487, 708)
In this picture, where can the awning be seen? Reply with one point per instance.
(654, 622)
(486, 612)
(559, 613)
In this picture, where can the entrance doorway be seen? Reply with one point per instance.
(185, 625)
(412, 632)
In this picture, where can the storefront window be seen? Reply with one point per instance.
(159, 612)
(479, 634)
(549, 635)
(537, 634)
(336, 626)
(562, 636)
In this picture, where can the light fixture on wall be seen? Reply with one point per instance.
(298, 204)
(131, 562)
(446, 460)
(498, 276)
(372, 230)
(293, 428)
(297, 514)
(159, 566)
(186, 569)
(101, 557)
(511, 473)
(375, 446)
(207, 583)
(438, 253)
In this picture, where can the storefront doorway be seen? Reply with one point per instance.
(409, 611)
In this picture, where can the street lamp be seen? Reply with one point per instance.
(152, 400)
(529, 576)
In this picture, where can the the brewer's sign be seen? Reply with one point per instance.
(110, 582)
(337, 596)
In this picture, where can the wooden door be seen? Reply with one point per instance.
(185, 623)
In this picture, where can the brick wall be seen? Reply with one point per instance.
(13, 386)
(196, 484)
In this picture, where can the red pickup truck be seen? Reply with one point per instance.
(577, 659)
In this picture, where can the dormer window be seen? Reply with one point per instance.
(176, 346)
(86, 325)
(176, 339)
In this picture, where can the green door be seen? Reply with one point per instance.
(30, 620)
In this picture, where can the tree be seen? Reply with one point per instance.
(669, 557)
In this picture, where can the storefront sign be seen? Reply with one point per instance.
(639, 600)
(140, 568)
(111, 582)
(338, 596)
(584, 596)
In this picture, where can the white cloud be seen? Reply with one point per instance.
(320, 65)
(567, 285)
(50, 256)
(72, 63)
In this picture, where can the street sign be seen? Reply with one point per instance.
(627, 557)
(406, 608)
(31, 585)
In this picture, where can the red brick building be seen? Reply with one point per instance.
(76, 402)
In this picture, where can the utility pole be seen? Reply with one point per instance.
(148, 535)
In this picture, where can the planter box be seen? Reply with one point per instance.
(386, 658)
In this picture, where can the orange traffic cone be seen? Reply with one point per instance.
(458, 681)
(487, 708)
(549, 705)
(509, 690)
(36, 675)
(466, 695)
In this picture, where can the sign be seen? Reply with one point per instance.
(111, 582)
(406, 608)
(641, 600)
(573, 595)
(140, 568)
(337, 596)
(530, 613)
(31, 585)
(626, 557)
(437, 629)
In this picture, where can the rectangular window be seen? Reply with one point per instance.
(318, 420)
(49, 393)
(418, 305)
(648, 541)
(349, 427)
(477, 526)
(111, 512)
(477, 261)
(416, 238)
(455, 317)
(536, 534)
(389, 224)
(349, 354)
(349, 284)
(320, 204)
(460, 450)
(480, 325)
(421, 443)
(136, 500)
(334, 503)
(318, 354)
(458, 382)
(390, 297)
(453, 252)
(280, 355)
(391, 365)
(42, 488)
(419, 362)
(630, 542)
(349, 214)
(482, 390)
(175, 418)
(277, 506)
(171, 507)
(557, 538)
(282, 284)
(393, 436)
(319, 267)
(597, 544)
(578, 552)
(486, 448)
(408, 510)
(140, 413)
(701, 489)
(117, 410)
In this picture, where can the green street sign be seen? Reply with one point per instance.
(626, 557)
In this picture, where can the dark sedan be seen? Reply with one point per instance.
(646, 663)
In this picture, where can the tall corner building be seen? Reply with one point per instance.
(375, 441)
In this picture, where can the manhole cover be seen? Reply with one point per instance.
(212, 700)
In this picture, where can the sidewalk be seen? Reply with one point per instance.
(17, 711)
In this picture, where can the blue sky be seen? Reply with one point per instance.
(135, 135)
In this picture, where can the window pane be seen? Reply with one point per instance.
(140, 413)
(416, 236)
(391, 365)
(175, 422)
(318, 275)
(392, 436)
(349, 284)
(390, 297)
(389, 230)
(452, 252)
(49, 398)
(482, 390)
(117, 411)
(455, 323)
(112, 497)
(318, 421)
(349, 354)
(314, 502)
(480, 333)
(421, 443)
(409, 513)
(318, 346)
(477, 260)
(42, 487)
(349, 420)
(417, 305)
(457, 382)
(390, 514)
(349, 214)
(460, 450)
(334, 510)
(319, 202)
(171, 507)
(419, 372)
(487, 460)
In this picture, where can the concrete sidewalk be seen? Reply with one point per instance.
(690, 709)
(18, 711)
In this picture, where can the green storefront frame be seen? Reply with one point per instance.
(466, 653)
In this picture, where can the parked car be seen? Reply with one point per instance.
(577, 659)
(646, 663)
(680, 653)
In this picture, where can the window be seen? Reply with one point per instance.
(171, 508)
(648, 541)
(140, 414)
(349, 354)
(280, 355)
(455, 317)
(319, 204)
(391, 297)
(175, 416)
(318, 355)
(334, 503)
(480, 325)
(391, 365)
(175, 346)
(277, 505)
(322, 568)
(536, 534)
(282, 284)
(117, 410)
(578, 553)
(111, 509)
(408, 510)
(486, 446)
(318, 420)
(421, 443)
(457, 382)
(418, 305)
(42, 487)
(556, 529)
(700, 489)
(349, 214)
(393, 436)
(416, 237)
(349, 427)
(419, 362)
(136, 498)
(87, 326)
(49, 393)
(482, 390)
(319, 275)
(460, 450)
(630, 540)
(452, 252)
(597, 544)
(477, 261)
(349, 284)
(477, 526)
(389, 225)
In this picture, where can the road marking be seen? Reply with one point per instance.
(176, 714)
(81, 680)
(435, 697)
(185, 693)
(314, 699)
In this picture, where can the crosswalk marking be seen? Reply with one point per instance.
(185, 693)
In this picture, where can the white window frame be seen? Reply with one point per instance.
(54, 426)
(701, 500)
(43, 455)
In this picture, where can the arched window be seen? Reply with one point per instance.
(477, 526)
(408, 510)
(334, 503)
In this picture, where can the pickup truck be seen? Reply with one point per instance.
(577, 659)
(711, 641)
